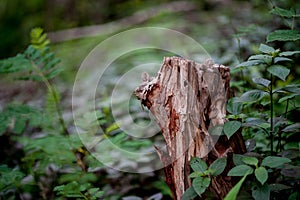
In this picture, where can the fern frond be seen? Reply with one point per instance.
(52, 100)
(38, 38)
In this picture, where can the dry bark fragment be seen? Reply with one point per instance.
(187, 100)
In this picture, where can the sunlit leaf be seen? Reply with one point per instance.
(266, 58)
(291, 96)
(288, 53)
(249, 63)
(292, 128)
(281, 59)
(283, 12)
(253, 95)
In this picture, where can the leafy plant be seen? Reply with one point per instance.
(202, 176)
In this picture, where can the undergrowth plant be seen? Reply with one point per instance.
(269, 169)
(42, 158)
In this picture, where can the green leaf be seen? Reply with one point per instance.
(261, 192)
(292, 128)
(274, 161)
(279, 71)
(231, 127)
(294, 196)
(232, 194)
(288, 53)
(283, 35)
(198, 165)
(216, 130)
(266, 49)
(218, 166)
(240, 170)
(261, 81)
(283, 12)
(265, 58)
(278, 187)
(196, 174)
(249, 63)
(237, 159)
(261, 175)
(189, 194)
(234, 107)
(250, 160)
(281, 59)
(253, 96)
(200, 184)
(291, 96)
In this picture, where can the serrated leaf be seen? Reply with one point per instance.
(274, 161)
(200, 184)
(261, 174)
(240, 170)
(231, 127)
(232, 194)
(288, 53)
(261, 192)
(218, 166)
(283, 35)
(250, 160)
(234, 107)
(189, 194)
(292, 128)
(266, 49)
(279, 71)
(283, 12)
(253, 95)
(261, 81)
(198, 165)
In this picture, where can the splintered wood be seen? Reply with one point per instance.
(188, 101)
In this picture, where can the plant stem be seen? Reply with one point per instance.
(271, 114)
(51, 88)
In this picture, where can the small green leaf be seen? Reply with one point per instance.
(261, 192)
(279, 71)
(252, 96)
(281, 59)
(232, 194)
(283, 12)
(288, 53)
(200, 184)
(278, 187)
(218, 166)
(261, 175)
(196, 174)
(291, 96)
(249, 63)
(198, 165)
(283, 35)
(240, 170)
(261, 81)
(231, 127)
(266, 49)
(265, 58)
(234, 107)
(216, 130)
(274, 161)
(250, 160)
(189, 194)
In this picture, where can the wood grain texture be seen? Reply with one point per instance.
(188, 100)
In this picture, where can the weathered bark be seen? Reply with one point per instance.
(187, 100)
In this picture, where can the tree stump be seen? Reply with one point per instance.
(188, 100)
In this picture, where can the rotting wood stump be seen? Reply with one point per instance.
(188, 100)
